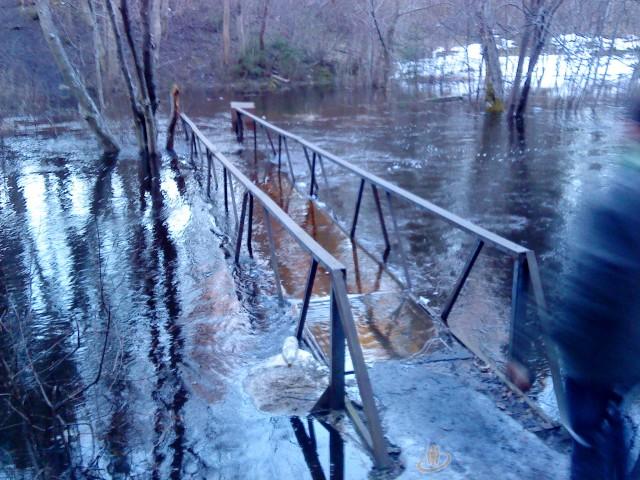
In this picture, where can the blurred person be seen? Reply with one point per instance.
(597, 327)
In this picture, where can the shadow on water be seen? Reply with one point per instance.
(40, 380)
(62, 227)
(306, 438)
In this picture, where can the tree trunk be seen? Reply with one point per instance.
(98, 53)
(148, 12)
(73, 80)
(543, 21)
(240, 25)
(263, 24)
(494, 86)
(173, 119)
(538, 45)
(515, 88)
(609, 56)
(386, 45)
(226, 34)
(143, 107)
(132, 93)
(164, 16)
(391, 37)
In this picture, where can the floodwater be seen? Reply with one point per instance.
(127, 332)
(523, 184)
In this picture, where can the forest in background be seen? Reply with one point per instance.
(251, 44)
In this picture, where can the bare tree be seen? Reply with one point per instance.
(242, 40)
(226, 32)
(542, 17)
(74, 81)
(386, 37)
(98, 52)
(494, 86)
(142, 93)
(263, 23)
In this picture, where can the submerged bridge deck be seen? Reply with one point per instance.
(367, 303)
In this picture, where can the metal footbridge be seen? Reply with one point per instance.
(247, 203)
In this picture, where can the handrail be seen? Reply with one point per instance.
(343, 328)
(303, 238)
(489, 237)
(526, 275)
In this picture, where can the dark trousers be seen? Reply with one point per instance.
(594, 414)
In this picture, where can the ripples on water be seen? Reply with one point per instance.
(83, 248)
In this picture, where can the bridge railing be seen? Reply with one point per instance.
(526, 276)
(341, 317)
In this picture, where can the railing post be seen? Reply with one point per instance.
(213, 167)
(403, 257)
(518, 338)
(192, 147)
(233, 200)
(239, 127)
(337, 357)
(273, 149)
(313, 175)
(457, 288)
(279, 153)
(208, 174)
(354, 224)
(226, 196)
(550, 347)
(243, 212)
(383, 225)
(312, 169)
(324, 173)
(274, 258)
(307, 298)
(255, 142)
(250, 226)
(339, 289)
(184, 129)
(286, 150)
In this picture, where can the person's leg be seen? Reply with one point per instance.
(587, 415)
(615, 436)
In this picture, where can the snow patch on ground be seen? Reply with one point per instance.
(572, 63)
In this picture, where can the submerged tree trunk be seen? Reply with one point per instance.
(609, 56)
(494, 85)
(391, 38)
(87, 106)
(543, 19)
(524, 47)
(386, 44)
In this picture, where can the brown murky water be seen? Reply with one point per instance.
(86, 254)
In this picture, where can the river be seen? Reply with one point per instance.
(87, 256)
